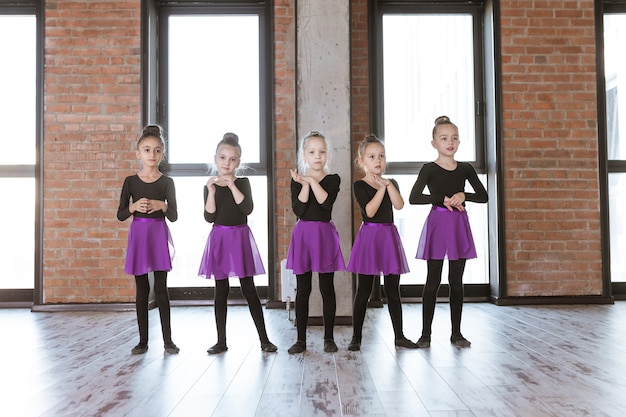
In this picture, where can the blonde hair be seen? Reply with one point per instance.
(303, 167)
(367, 140)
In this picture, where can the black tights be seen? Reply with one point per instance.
(394, 304)
(429, 296)
(222, 288)
(162, 300)
(329, 302)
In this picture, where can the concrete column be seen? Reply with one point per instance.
(323, 103)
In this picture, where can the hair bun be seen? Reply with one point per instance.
(442, 120)
(230, 138)
(152, 130)
(371, 138)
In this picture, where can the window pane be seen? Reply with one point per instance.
(615, 78)
(17, 247)
(190, 231)
(617, 208)
(410, 221)
(17, 90)
(213, 78)
(428, 66)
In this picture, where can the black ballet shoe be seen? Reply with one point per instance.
(217, 348)
(170, 347)
(298, 347)
(405, 343)
(423, 342)
(354, 345)
(330, 346)
(459, 341)
(140, 349)
(268, 347)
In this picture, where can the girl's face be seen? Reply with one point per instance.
(315, 154)
(373, 159)
(227, 160)
(446, 140)
(150, 152)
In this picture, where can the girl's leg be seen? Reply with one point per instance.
(303, 292)
(256, 311)
(363, 291)
(222, 287)
(455, 278)
(394, 305)
(329, 309)
(429, 298)
(329, 302)
(163, 301)
(141, 305)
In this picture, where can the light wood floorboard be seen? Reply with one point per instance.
(525, 361)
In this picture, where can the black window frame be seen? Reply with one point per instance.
(478, 10)
(34, 296)
(155, 100)
(607, 166)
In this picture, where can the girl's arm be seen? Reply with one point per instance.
(394, 194)
(417, 195)
(210, 208)
(243, 195)
(298, 193)
(318, 191)
(126, 208)
(170, 208)
(480, 194)
(305, 188)
(371, 208)
(331, 187)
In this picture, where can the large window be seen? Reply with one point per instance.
(212, 79)
(18, 141)
(615, 82)
(429, 63)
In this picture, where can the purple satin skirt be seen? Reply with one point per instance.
(230, 251)
(446, 234)
(314, 247)
(378, 250)
(148, 249)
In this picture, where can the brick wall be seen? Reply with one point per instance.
(91, 121)
(284, 123)
(360, 87)
(550, 143)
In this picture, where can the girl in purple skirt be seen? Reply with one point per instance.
(230, 249)
(314, 245)
(446, 233)
(150, 197)
(377, 248)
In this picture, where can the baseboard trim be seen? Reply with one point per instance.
(515, 301)
(50, 308)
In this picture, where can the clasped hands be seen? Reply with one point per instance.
(455, 202)
(147, 206)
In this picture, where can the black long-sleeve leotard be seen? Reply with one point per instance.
(312, 210)
(363, 192)
(445, 183)
(227, 211)
(162, 189)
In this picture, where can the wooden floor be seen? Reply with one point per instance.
(524, 361)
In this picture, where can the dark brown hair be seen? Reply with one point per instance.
(440, 121)
(152, 131)
(229, 139)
